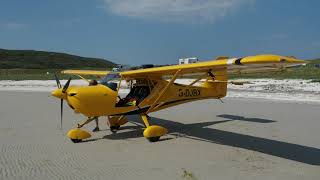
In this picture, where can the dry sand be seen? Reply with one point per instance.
(239, 139)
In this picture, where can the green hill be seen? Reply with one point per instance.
(29, 64)
(313, 62)
(30, 59)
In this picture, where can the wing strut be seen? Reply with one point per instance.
(211, 75)
(197, 80)
(83, 78)
(164, 90)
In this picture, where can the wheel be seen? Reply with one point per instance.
(76, 140)
(154, 139)
(114, 129)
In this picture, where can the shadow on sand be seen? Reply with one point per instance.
(199, 131)
(241, 118)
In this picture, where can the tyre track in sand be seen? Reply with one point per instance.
(38, 161)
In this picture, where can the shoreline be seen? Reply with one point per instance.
(232, 96)
(268, 89)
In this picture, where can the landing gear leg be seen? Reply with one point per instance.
(152, 132)
(86, 122)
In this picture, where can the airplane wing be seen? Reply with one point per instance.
(249, 64)
(85, 72)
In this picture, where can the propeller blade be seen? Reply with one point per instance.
(65, 87)
(57, 80)
(61, 113)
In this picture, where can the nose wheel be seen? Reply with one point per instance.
(114, 122)
(154, 139)
(76, 140)
(77, 135)
(115, 128)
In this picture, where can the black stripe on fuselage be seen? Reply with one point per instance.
(145, 109)
(136, 111)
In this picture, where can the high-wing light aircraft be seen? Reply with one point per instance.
(154, 89)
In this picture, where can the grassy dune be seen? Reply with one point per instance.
(29, 59)
(33, 74)
(41, 65)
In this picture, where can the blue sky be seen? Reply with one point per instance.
(161, 31)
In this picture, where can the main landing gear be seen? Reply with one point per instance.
(152, 132)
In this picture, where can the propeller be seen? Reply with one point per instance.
(64, 90)
(57, 81)
(61, 112)
(65, 87)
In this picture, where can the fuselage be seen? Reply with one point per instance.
(101, 100)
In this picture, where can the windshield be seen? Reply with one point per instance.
(111, 81)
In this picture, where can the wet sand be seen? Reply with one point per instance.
(239, 139)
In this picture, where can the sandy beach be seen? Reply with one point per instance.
(300, 90)
(241, 138)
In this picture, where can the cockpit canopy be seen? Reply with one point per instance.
(111, 81)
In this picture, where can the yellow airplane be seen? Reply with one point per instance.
(154, 89)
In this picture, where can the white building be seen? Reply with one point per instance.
(188, 60)
(120, 67)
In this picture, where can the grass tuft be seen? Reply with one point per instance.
(187, 175)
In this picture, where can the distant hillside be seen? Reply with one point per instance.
(29, 59)
(314, 62)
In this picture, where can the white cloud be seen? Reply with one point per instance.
(175, 10)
